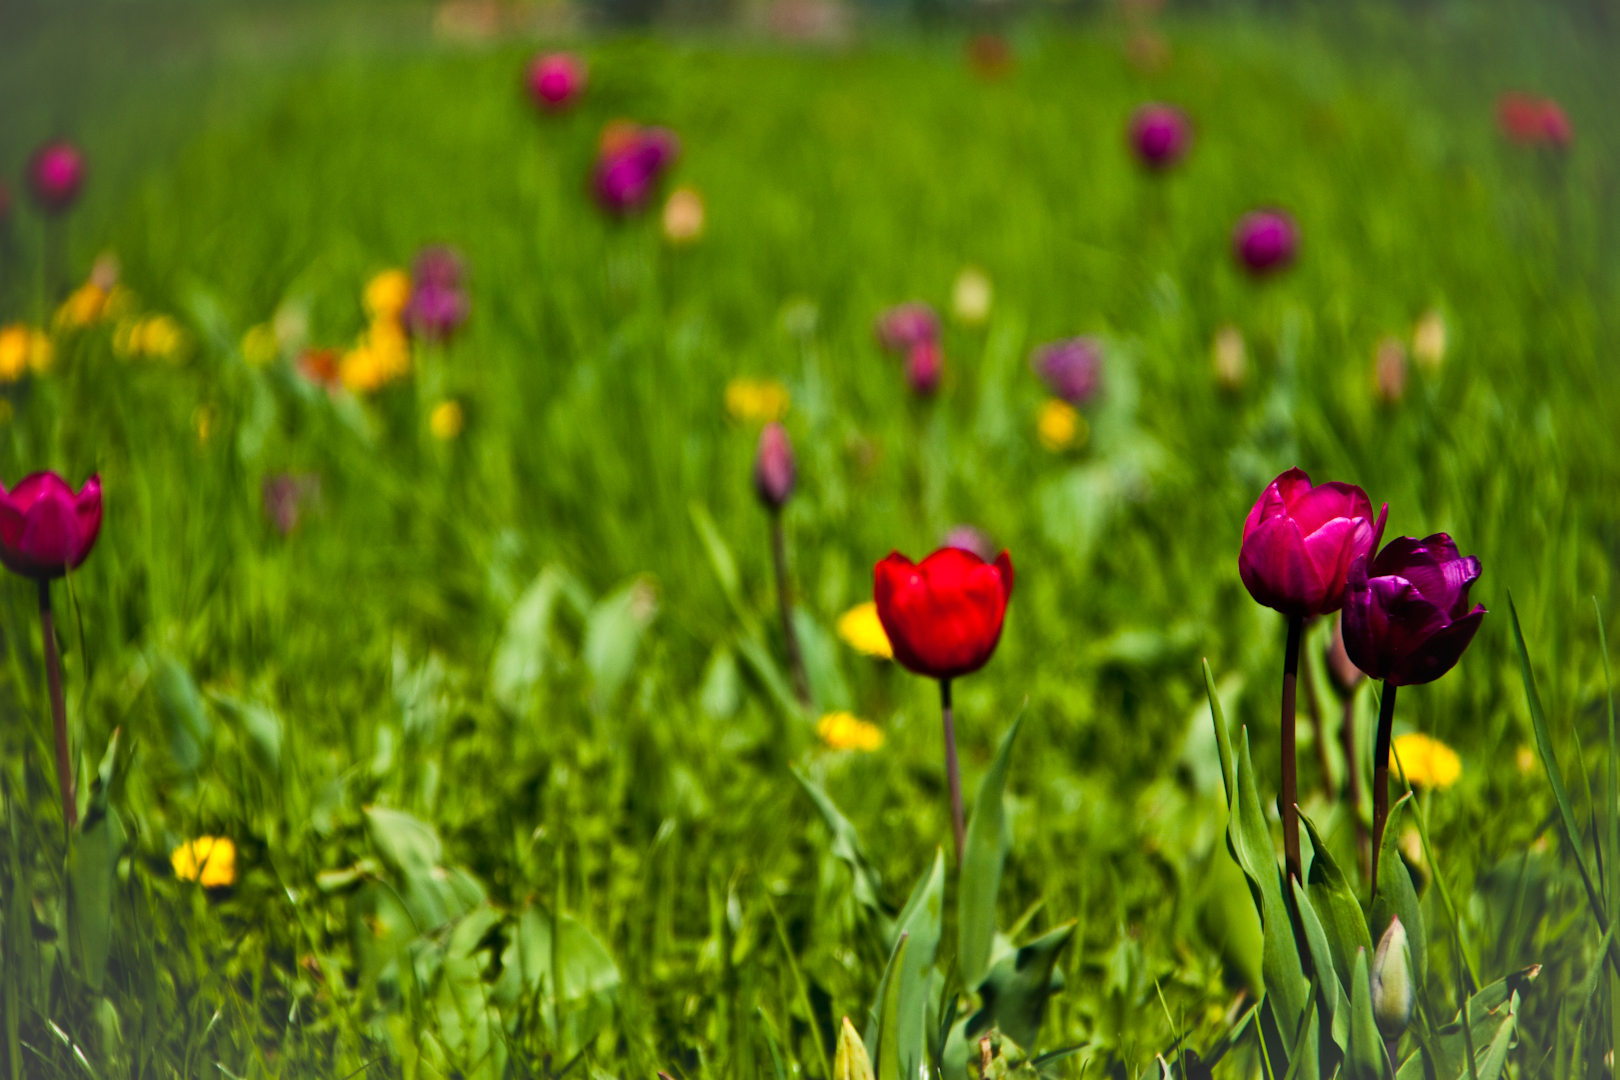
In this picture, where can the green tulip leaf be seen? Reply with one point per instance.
(1331, 999)
(921, 921)
(1493, 1015)
(886, 1011)
(1013, 997)
(1366, 1058)
(1336, 905)
(613, 632)
(1397, 896)
(93, 854)
(983, 856)
(846, 845)
(525, 644)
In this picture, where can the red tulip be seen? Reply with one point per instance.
(773, 467)
(944, 614)
(45, 528)
(55, 173)
(1407, 618)
(1299, 542)
(556, 80)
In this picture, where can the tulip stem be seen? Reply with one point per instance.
(953, 771)
(53, 678)
(1386, 720)
(1290, 775)
(784, 595)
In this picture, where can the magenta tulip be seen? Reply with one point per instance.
(925, 366)
(774, 471)
(626, 176)
(1159, 134)
(556, 80)
(1265, 241)
(1299, 542)
(905, 326)
(1071, 368)
(55, 175)
(46, 529)
(1407, 618)
(437, 306)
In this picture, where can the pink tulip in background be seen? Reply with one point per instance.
(556, 80)
(55, 175)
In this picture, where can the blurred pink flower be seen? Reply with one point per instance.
(1265, 240)
(55, 175)
(925, 364)
(1071, 368)
(1159, 135)
(630, 165)
(905, 326)
(287, 495)
(556, 80)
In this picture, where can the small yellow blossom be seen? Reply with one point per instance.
(260, 345)
(846, 731)
(1428, 762)
(155, 336)
(210, 860)
(1525, 759)
(446, 420)
(1429, 340)
(24, 349)
(683, 216)
(203, 419)
(861, 628)
(1231, 357)
(387, 294)
(82, 307)
(382, 355)
(971, 295)
(762, 400)
(1060, 426)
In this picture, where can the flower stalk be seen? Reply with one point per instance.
(1290, 773)
(953, 770)
(1386, 721)
(53, 679)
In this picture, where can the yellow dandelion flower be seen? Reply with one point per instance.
(1060, 426)
(209, 860)
(683, 216)
(14, 350)
(846, 731)
(1429, 340)
(260, 345)
(861, 628)
(446, 420)
(41, 353)
(762, 400)
(1525, 759)
(1428, 762)
(387, 294)
(82, 307)
(387, 340)
(361, 371)
(158, 336)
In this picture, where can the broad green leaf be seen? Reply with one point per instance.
(1493, 1013)
(590, 979)
(1366, 1058)
(432, 893)
(720, 558)
(1336, 905)
(983, 857)
(846, 845)
(721, 693)
(520, 656)
(1331, 999)
(1014, 995)
(261, 730)
(190, 732)
(888, 1032)
(1396, 896)
(921, 921)
(1223, 734)
(613, 631)
(93, 853)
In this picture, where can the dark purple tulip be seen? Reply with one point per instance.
(1407, 618)
(925, 364)
(435, 311)
(906, 326)
(1159, 135)
(1071, 368)
(626, 176)
(437, 264)
(774, 471)
(55, 174)
(1265, 240)
(1299, 542)
(556, 80)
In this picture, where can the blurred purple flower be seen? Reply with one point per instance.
(437, 264)
(925, 364)
(1071, 368)
(627, 173)
(556, 80)
(970, 538)
(55, 174)
(905, 326)
(437, 306)
(1265, 240)
(1159, 135)
(287, 496)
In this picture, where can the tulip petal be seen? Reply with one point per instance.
(1322, 504)
(1004, 567)
(50, 535)
(1330, 549)
(87, 508)
(1275, 500)
(1440, 653)
(1277, 569)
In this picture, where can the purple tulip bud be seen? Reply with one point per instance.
(55, 174)
(1299, 542)
(906, 326)
(774, 470)
(969, 538)
(1071, 368)
(435, 311)
(1159, 135)
(626, 175)
(1265, 240)
(1407, 618)
(556, 80)
(437, 264)
(925, 363)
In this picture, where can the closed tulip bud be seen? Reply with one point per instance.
(905, 326)
(1556, 130)
(630, 166)
(1299, 542)
(1389, 371)
(1159, 135)
(46, 528)
(556, 80)
(1071, 368)
(55, 175)
(943, 616)
(1407, 619)
(1393, 992)
(925, 365)
(1265, 241)
(774, 470)
(851, 1061)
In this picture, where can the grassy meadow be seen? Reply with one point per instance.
(508, 710)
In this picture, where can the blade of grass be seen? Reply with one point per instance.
(799, 990)
(1611, 820)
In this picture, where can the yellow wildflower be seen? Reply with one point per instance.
(387, 339)
(763, 400)
(155, 336)
(210, 860)
(683, 216)
(1061, 426)
(1525, 759)
(387, 294)
(24, 349)
(446, 420)
(861, 628)
(360, 370)
(1429, 340)
(1428, 762)
(260, 345)
(846, 731)
(971, 296)
(82, 307)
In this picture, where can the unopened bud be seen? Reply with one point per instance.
(851, 1062)
(924, 365)
(773, 468)
(1393, 994)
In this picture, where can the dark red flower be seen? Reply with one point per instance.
(1407, 618)
(774, 471)
(1533, 121)
(556, 80)
(1159, 135)
(55, 174)
(46, 529)
(1299, 542)
(944, 614)
(1265, 240)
